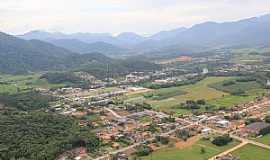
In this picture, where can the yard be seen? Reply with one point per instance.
(252, 152)
(192, 152)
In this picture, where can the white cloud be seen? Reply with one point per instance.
(142, 16)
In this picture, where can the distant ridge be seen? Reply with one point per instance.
(248, 32)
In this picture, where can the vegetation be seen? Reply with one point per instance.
(192, 152)
(143, 150)
(163, 140)
(164, 93)
(22, 56)
(267, 119)
(252, 120)
(251, 152)
(190, 104)
(61, 77)
(222, 140)
(237, 86)
(26, 101)
(195, 92)
(264, 139)
(40, 135)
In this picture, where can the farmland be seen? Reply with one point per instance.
(251, 152)
(193, 152)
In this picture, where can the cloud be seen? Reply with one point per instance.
(142, 16)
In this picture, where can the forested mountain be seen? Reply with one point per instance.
(82, 47)
(22, 56)
(19, 55)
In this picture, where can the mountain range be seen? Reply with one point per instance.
(43, 51)
(19, 56)
(205, 36)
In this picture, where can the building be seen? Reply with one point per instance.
(223, 123)
(205, 71)
(206, 132)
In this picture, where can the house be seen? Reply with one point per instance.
(206, 132)
(223, 123)
(205, 71)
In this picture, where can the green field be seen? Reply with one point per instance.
(245, 55)
(251, 89)
(12, 83)
(264, 139)
(245, 86)
(211, 89)
(197, 91)
(231, 100)
(252, 152)
(193, 152)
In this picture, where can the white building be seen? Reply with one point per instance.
(205, 71)
(206, 132)
(223, 123)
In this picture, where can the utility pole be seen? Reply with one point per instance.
(108, 73)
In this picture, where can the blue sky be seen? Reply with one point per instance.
(115, 16)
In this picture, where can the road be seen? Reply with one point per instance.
(114, 113)
(229, 151)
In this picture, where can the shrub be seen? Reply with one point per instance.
(143, 150)
(222, 140)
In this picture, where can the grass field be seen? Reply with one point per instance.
(210, 89)
(264, 139)
(251, 152)
(197, 91)
(193, 152)
(251, 89)
(231, 100)
(243, 55)
(10, 83)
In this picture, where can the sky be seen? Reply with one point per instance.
(115, 16)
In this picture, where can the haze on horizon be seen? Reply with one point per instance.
(116, 16)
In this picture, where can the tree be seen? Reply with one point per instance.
(222, 140)
(203, 150)
(153, 128)
(201, 102)
(267, 119)
(265, 131)
(252, 120)
(143, 150)
(183, 134)
(162, 139)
